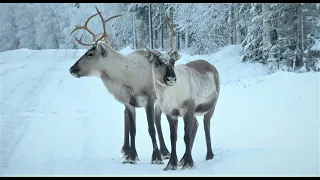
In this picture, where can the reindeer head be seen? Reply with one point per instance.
(163, 63)
(91, 63)
(163, 66)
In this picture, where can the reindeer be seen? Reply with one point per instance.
(185, 91)
(129, 79)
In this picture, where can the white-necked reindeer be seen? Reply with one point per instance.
(185, 91)
(129, 79)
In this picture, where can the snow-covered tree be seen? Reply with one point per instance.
(8, 28)
(276, 34)
(24, 19)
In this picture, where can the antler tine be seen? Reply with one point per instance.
(80, 42)
(104, 34)
(171, 33)
(112, 17)
(85, 27)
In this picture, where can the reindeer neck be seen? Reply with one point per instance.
(128, 69)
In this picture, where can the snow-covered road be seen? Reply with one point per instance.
(53, 124)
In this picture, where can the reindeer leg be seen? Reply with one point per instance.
(126, 147)
(188, 124)
(132, 156)
(156, 155)
(163, 149)
(193, 136)
(173, 161)
(206, 120)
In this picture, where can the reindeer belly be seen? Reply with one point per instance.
(138, 101)
(173, 107)
(204, 105)
(170, 109)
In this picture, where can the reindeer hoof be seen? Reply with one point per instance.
(183, 159)
(157, 161)
(187, 161)
(209, 155)
(125, 150)
(165, 154)
(156, 157)
(170, 167)
(172, 164)
(131, 158)
(188, 166)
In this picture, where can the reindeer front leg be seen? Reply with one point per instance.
(173, 161)
(156, 155)
(193, 135)
(126, 147)
(188, 124)
(163, 148)
(132, 155)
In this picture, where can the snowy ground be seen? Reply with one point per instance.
(53, 124)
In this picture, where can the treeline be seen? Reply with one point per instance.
(280, 35)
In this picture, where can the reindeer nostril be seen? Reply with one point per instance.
(74, 70)
(169, 78)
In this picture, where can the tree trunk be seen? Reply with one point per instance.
(177, 41)
(161, 31)
(230, 23)
(297, 13)
(266, 31)
(150, 28)
(186, 38)
(233, 20)
(134, 31)
(278, 35)
(302, 34)
(238, 31)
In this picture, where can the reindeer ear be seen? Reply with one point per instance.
(102, 49)
(149, 55)
(175, 55)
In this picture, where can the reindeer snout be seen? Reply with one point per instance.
(171, 78)
(75, 71)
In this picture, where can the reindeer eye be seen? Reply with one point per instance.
(90, 54)
(157, 63)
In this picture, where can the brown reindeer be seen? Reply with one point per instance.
(185, 91)
(128, 78)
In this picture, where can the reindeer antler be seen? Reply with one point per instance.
(171, 33)
(104, 34)
(85, 27)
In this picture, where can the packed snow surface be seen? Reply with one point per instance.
(53, 124)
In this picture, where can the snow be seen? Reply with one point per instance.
(227, 61)
(316, 46)
(53, 124)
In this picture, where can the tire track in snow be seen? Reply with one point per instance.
(36, 64)
(13, 131)
(13, 70)
(20, 67)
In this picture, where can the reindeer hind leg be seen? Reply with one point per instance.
(163, 148)
(206, 121)
(132, 157)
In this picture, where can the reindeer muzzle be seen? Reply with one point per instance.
(75, 71)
